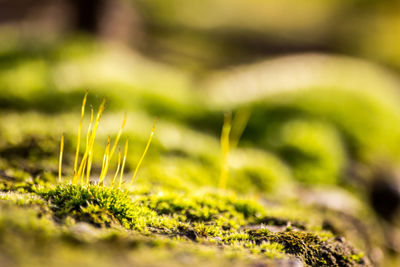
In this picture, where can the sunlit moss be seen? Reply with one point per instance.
(175, 202)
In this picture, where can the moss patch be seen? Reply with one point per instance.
(205, 218)
(311, 248)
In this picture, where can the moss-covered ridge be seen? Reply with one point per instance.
(205, 218)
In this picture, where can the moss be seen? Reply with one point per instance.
(271, 250)
(27, 239)
(204, 217)
(103, 206)
(24, 227)
(311, 248)
(22, 199)
(170, 217)
(203, 207)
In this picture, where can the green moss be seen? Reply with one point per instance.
(311, 248)
(203, 206)
(22, 199)
(271, 250)
(31, 238)
(103, 206)
(202, 217)
(170, 215)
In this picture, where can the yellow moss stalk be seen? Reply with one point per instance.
(123, 163)
(92, 137)
(78, 142)
(96, 125)
(239, 123)
(90, 156)
(225, 146)
(75, 179)
(118, 167)
(61, 157)
(144, 153)
(118, 136)
(83, 173)
(114, 147)
(104, 167)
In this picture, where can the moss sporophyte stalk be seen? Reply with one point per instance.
(231, 132)
(82, 169)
